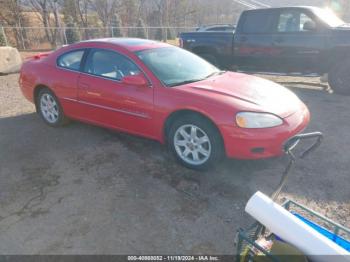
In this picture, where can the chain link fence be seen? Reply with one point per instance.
(47, 38)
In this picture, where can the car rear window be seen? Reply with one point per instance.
(257, 22)
(71, 60)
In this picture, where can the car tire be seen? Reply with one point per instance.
(195, 142)
(339, 78)
(50, 109)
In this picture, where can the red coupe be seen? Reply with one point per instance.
(164, 93)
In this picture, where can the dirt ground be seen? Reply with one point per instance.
(87, 190)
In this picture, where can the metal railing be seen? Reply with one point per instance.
(45, 38)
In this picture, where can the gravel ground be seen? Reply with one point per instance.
(87, 190)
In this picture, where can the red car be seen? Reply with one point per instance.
(164, 93)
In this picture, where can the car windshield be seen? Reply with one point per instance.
(175, 66)
(327, 16)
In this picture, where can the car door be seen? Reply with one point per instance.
(301, 40)
(107, 100)
(252, 41)
(65, 82)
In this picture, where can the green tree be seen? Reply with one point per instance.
(72, 34)
(129, 9)
(69, 10)
(159, 34)
(116, 23)
(170, 34)
(141, 29)
(2, 37)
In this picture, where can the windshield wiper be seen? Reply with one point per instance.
(215, 74)
(186, 82)
(197, 80)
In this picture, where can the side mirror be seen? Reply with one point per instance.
(309, 26)
(135, 80)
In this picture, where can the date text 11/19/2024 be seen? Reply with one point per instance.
(174, 258)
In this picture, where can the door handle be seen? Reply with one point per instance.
(86, 87)
(93, 93)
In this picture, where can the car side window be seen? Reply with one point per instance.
(109, 64)
(293, 21)
(258, 23)
(71, 60)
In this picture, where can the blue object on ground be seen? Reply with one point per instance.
(335, 238)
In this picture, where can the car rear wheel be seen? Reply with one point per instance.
(339, 78)
(50, 109)
(195, 142)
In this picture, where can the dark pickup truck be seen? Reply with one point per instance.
(287, 40)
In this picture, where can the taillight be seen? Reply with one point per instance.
(38, 56)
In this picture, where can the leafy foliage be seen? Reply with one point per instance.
(72, 34)
(141, 29)
(159, 34)
(170, 34)
(116, 23)
(2, 37)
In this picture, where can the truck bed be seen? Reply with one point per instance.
(219, 44)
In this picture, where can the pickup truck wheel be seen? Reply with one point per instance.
(195, 142)
(339, 78)
(210, 58)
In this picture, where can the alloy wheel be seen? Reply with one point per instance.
(192, 144)
(49, 108)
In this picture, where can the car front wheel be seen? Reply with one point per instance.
(195, 142)
(50, 109)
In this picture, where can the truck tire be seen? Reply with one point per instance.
(339, 78)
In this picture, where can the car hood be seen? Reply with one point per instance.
(257, 94)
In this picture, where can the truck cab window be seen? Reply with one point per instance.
(293, 21)
(252, 19)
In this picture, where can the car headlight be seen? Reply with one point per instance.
(257, 120)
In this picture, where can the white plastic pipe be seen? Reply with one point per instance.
(292, 230)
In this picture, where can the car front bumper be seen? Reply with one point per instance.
(263, 143)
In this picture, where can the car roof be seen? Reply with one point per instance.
(131, 44)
